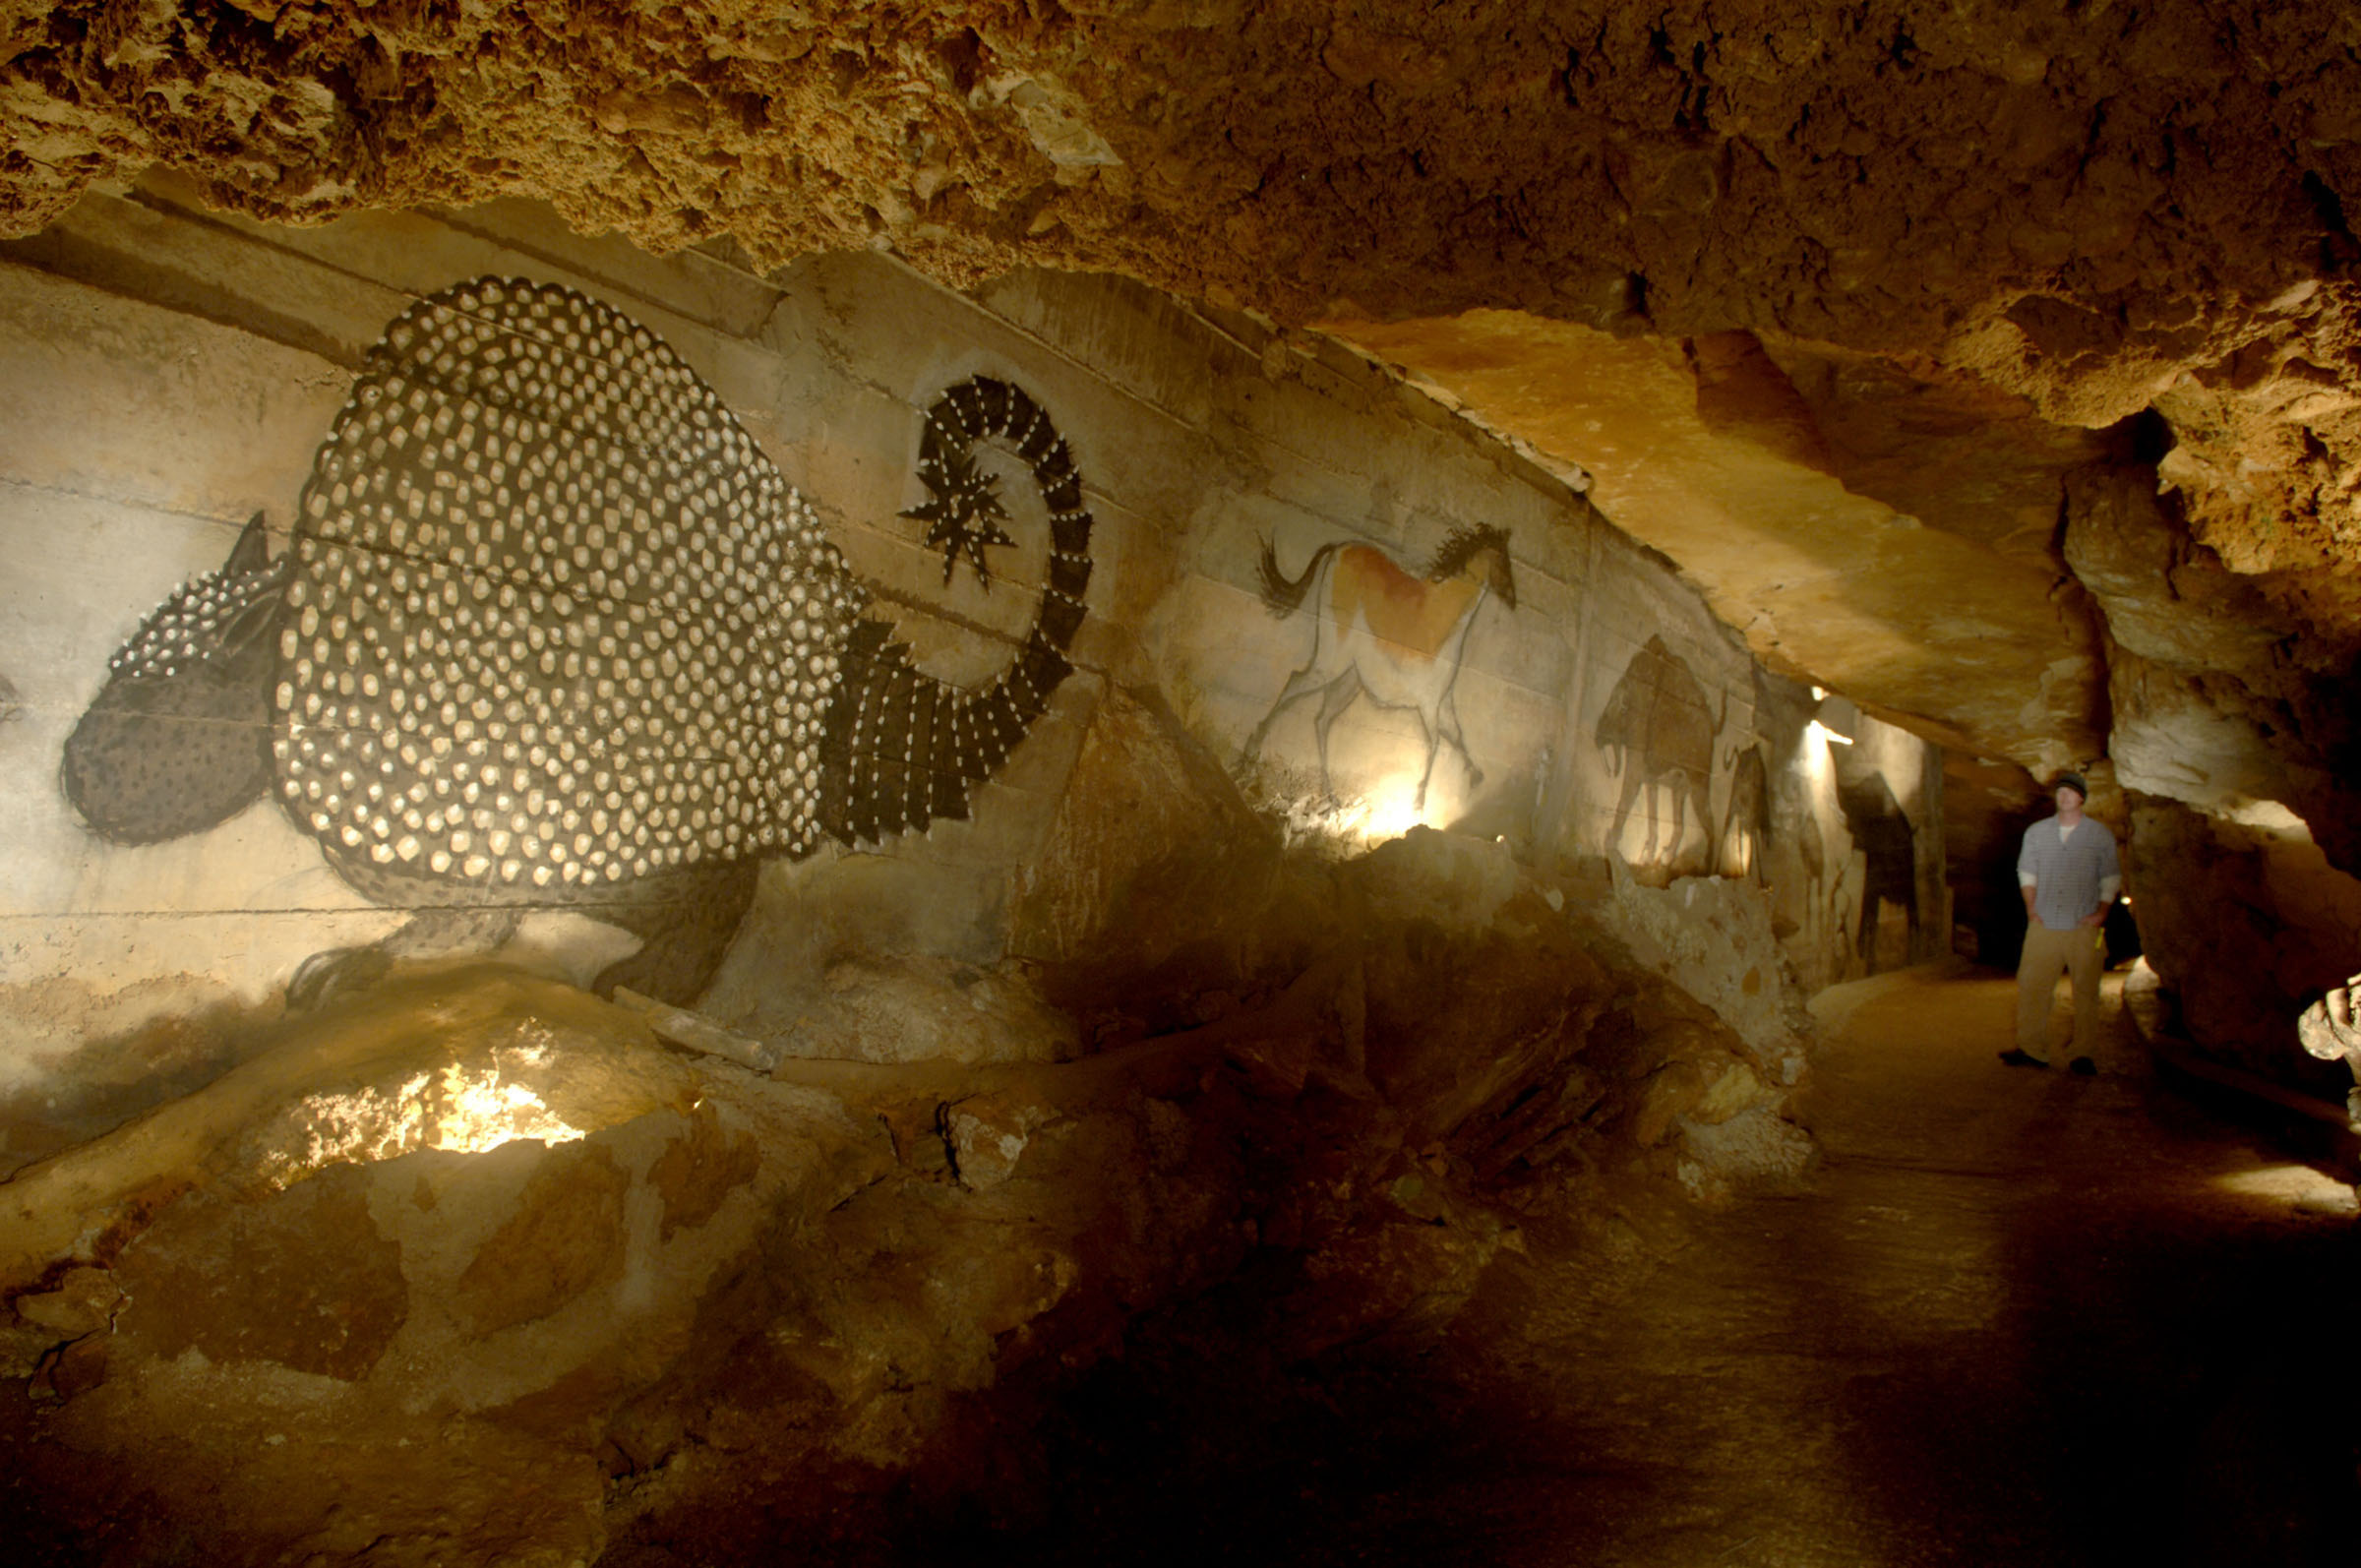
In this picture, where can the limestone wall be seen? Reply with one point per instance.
(2245, 921)
(165, 378)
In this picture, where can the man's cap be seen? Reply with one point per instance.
(2074, 782)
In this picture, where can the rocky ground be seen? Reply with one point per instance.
(1186, 1302)
(2017, 1319)
(472, 1267)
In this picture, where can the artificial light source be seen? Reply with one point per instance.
(1390, 817)
(1837, 718)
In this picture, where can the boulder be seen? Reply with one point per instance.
(2245, 921)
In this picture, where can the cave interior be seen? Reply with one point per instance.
(824, 782)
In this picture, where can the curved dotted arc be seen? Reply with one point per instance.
(904, 748)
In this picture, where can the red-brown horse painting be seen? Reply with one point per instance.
(1396, 636)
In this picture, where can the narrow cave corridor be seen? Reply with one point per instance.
(1217, 782)
(2010, 1322)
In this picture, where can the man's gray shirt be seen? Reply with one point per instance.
(2066, 875)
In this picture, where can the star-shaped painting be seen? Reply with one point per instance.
(964, 515)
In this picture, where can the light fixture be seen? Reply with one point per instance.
(1837, 718)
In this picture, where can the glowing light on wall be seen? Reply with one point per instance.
(2297, 1185)
(1835, 719)
(1392, 812)
(461, 1108)
(1360, 821)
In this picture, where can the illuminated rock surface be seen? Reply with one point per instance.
(1968, 246)
(474, 1267)
(1840, 387)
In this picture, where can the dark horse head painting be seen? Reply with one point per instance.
(553, 633)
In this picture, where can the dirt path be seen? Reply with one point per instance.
(2019, 1318)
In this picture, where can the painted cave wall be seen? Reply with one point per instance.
(1268, 541)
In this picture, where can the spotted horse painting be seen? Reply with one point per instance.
(554, 634)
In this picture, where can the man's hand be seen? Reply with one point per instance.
(2097, 917)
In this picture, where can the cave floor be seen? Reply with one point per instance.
(2017, 1318)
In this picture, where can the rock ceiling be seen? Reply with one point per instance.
(1886, 321)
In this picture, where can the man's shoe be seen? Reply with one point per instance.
(2083, 1067)
(2018, 1058)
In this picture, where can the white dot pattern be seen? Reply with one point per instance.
(194, 624)
(554, 620)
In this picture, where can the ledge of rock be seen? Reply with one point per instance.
(473, 1263)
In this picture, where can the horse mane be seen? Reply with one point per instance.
(1465, 545)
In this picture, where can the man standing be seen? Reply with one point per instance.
(2069, 876)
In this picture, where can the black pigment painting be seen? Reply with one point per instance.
(554, 632)
(1657, 735)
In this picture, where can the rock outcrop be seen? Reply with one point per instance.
(2246, 921)
(472, 1268)
(1916, 262)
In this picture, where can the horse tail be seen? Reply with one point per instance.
(1280, 596)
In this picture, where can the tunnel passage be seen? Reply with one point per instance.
(1292, 1127)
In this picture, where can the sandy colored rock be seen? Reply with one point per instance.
(1903, 271)
(85, 1302)
(565, 1237)
(700, 1169)
(278, 1303)
(2246, 922)
(817, 1284)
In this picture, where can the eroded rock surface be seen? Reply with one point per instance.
(2248, 923)
(473, 1268)
(1906, 267)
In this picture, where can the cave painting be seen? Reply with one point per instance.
(1392, 634)
(553, 633)
(1746, 824)
(1881, 830)
(1658, 736)
(1812, 851)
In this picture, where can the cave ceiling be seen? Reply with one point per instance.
(1988, 363)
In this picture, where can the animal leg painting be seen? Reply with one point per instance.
(1656, 734)
(1746, 824)
(1379, 629)
(554, 634)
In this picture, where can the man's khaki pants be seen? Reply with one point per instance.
(2074, 950)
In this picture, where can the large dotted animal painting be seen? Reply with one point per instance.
(554, 632)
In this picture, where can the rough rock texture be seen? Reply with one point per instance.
(2248, 924)
(1711, 937)
(1917, 257)
(470, 1269)
(2328, 1031)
